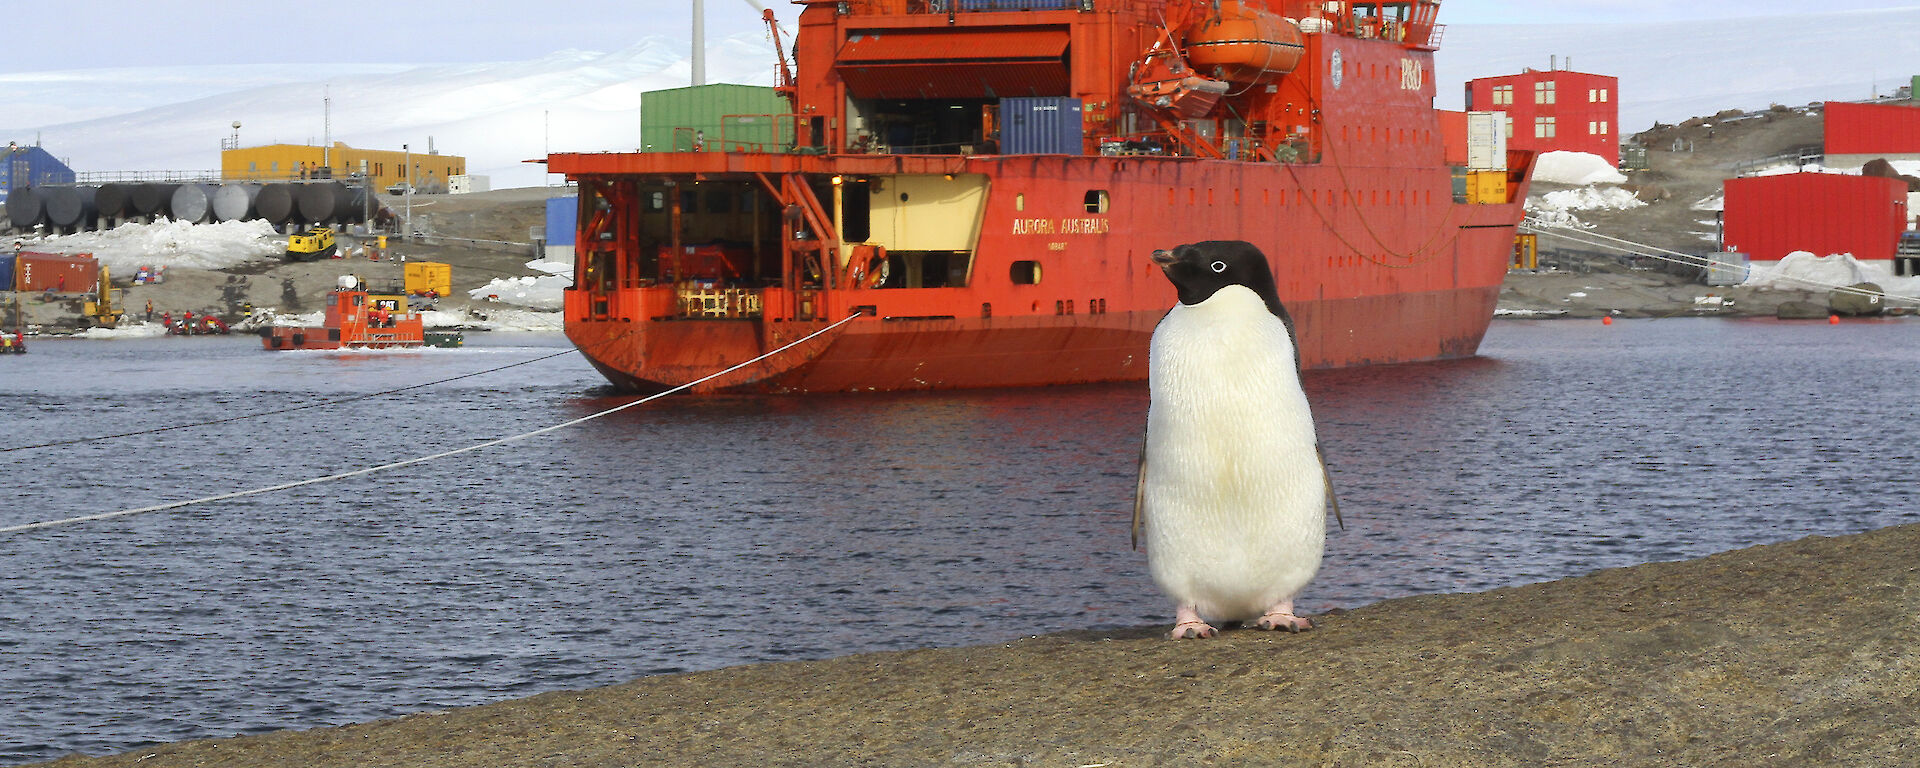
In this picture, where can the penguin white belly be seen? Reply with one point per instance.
(1234, 496)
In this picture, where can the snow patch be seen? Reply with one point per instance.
(1575, 168)
(1801, 270)
(1591, 199)
(169, 243)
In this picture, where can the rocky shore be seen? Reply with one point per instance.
(1794, 653)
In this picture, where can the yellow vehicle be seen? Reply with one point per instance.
(313, 244)
(104, 308)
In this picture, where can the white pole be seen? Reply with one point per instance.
(699, 42)
(408, 232)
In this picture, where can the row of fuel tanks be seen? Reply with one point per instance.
(79, 207)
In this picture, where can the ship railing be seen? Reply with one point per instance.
(757, 132)
(705, 300)
(970, 6)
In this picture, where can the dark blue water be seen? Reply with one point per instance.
(693, 534)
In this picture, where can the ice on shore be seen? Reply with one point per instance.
(170, 243)
(545, 292)
(1804, 271)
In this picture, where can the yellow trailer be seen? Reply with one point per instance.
(429, 277)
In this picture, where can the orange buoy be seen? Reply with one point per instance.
(1833, 319)
(1606, 320)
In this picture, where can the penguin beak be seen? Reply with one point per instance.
(1164, 258)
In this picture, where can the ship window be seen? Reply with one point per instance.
(1026, 273)
(1096, 201)
(1543, 127)
(719, 200)
(1543, 92)
(657, 201)
(1502, 94)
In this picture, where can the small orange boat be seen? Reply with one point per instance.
(356, 319)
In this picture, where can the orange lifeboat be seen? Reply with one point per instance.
(1244, 45)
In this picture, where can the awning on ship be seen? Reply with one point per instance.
(956, 64)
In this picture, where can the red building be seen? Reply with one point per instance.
(1768, 217)
(1856, 133)
(1555, 109)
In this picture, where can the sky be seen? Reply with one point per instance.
(500, 89)
(121, 33)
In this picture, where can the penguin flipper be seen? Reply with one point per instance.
(1324, 473)
(1139, 499)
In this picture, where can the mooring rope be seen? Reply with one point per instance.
(258, 414)
(440, 455)
(1595, 239)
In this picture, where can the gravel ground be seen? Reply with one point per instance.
(1795, 653)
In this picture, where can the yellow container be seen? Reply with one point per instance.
(1487, 187)
(1526, 251)
(429, 277)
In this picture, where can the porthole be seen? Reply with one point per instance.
(1096, 201)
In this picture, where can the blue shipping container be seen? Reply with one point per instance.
(562, 219)
(8, 264)
(1048, 125)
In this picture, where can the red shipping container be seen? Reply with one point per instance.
(1768, 217)
(63, 273)
(1871, 129)
(1453, 136)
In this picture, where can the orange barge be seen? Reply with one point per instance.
(983, 180)
(356, 319)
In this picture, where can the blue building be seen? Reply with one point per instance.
(31, 167)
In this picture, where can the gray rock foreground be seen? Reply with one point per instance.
(1806, 652)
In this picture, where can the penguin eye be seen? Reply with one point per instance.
(1219, 266)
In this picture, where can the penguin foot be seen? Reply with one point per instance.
(1187, 625)
(1276, 621)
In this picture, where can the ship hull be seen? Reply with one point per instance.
(652, 356)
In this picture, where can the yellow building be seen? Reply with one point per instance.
(386, 168)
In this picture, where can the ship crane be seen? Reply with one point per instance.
(786, 87)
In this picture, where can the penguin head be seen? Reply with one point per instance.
(1198, 270)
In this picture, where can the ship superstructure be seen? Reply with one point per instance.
(983, 180)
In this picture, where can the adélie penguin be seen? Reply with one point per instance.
(1232, 491)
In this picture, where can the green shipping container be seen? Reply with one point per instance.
(721, 117)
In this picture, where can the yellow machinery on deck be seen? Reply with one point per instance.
(104, 307)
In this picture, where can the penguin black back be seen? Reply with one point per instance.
(1198, 270)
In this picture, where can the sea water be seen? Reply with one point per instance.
(696, 533)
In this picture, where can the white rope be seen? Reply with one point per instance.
(441, 455)
(1641, 249)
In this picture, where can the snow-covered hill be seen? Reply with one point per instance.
(498, 115)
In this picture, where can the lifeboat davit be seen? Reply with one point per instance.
(1245, 45)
